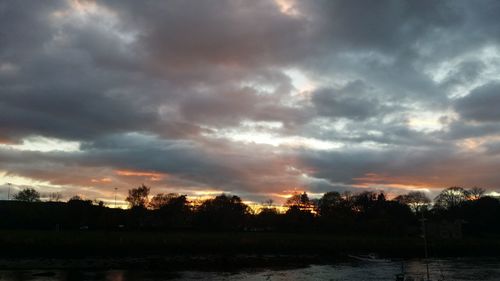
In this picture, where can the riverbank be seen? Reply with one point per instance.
(168, 263)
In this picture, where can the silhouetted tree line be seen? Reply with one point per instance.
(342, 213)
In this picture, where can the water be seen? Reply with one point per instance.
(450, 269)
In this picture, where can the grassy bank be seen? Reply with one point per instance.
(119, 244)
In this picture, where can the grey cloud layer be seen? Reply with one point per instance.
(481, 104)
(148, 85)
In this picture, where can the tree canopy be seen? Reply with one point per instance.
(138, 197)
(346, 213)
(28, 195)
(223, 211)
(451, 197)
(415, 199)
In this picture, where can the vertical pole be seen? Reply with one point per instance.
(115, 196)
(8, 192)
(425, 247)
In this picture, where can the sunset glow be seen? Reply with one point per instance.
(151, 175)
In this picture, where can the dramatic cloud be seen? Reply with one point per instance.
(481, 104)
(257, 98)
(348, 102)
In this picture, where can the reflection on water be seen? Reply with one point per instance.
(450, 269)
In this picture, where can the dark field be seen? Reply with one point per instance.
(80, 244)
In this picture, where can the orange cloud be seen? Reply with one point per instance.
(370, 179)
(154, 176)
(101, 180)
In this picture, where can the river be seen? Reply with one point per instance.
(456, 269)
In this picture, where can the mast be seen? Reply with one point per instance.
(426, 252)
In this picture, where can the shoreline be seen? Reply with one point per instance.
(166, 263)
(208, 263)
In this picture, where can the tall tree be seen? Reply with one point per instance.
(222, 212)
(416, 200)
(168, 201)
(330, 202)
(363, 201)
(28, 195)
(138, 197)
(451, 197)
(299, 200)
(160, 200)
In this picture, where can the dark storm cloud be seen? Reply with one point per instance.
(152, 86)
(182, 34)
(381, 25)
(421, 168)
(465, 73)
(481, 104)
(86, 81)
(58, 90)
(399, 156)
(349, 102)
(459, 130)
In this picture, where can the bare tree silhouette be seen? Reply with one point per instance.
(416, 200)
(451, 197)
(54, 197)
(476, 193)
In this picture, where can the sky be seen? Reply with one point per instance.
(255, 98)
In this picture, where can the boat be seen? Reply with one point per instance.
(369, 258)
(403, 276)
